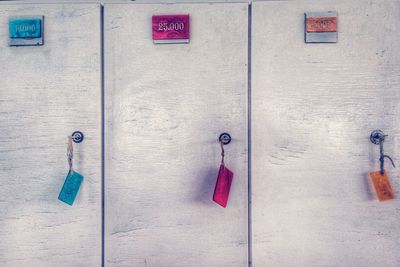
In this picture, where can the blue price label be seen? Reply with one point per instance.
(25, 28)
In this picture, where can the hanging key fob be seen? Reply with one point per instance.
(70, 188)
(382, 185)
(380, 178)
(223, 186)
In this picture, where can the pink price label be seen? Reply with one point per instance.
(171, 28)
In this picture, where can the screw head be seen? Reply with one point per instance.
(77, 137)
(225, 138)
(377, 137)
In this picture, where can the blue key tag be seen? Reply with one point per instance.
(72, 181)
(70, 188)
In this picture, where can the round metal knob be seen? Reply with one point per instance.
(377, 137)
(77, 136)
(225, 138)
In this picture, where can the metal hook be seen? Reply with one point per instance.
(378, 137)
(225, 138)
(77, 136)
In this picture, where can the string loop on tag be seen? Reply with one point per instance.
(222, 153)
(70, 154)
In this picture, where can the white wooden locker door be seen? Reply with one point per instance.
(313, 109)
(165, 108)
(46, 93)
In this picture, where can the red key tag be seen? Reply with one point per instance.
(382, 185)
(223, 186)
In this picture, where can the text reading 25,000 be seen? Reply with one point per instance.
(174, 26)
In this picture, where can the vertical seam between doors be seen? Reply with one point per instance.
(102, 132)
(249, 230)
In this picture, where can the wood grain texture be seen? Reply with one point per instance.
(165, 108)
(313, 109)
(46, 93)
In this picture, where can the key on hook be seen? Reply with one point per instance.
(377, 137)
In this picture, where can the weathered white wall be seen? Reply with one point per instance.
(47, 92)
(313, 109)
(165, 108)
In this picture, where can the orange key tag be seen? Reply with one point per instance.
(382, 185)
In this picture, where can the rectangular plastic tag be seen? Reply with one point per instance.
(170, 29)
(70, 188)
(324, 24)
(382, 186)
(26, 30)
(321, 27)
(223, 186)
(25, 27)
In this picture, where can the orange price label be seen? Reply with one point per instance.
(382, 186)
(321, 24)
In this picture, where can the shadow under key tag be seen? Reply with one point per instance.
(223, 186)
(382, 185)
